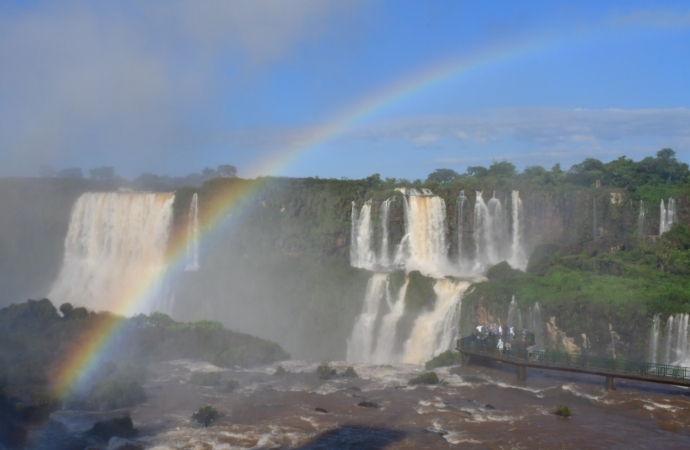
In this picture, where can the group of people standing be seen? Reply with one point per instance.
(496, 335)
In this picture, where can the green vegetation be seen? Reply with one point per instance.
(325, 371)
(349, 372)
(426, 378)
(205, 378)
(280, 370)
(447, 358)
(35, 341)
(205, 415)
(563, 411)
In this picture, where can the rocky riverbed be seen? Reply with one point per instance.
(473, 407)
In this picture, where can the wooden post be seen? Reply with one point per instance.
(465, 360)
(522, 373)
(610, 383)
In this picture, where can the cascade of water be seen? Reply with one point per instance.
(426, 234)
(491, 232)
(385, 343)
(667, 215)
(671, 213)
(640, 219)
(384, 254)
(114, 241)
(459, 209)
(193, 234)
(362, 255)
(654, 339)
(433, 332)
(361, 341)
(518, 259)
(668, 332)
(537, 327)
(513, 313)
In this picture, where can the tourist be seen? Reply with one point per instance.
(500, 345)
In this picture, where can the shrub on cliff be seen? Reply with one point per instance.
(426, 378)
(447, 358)
(324, 371)
(205, 415)
(503, 271)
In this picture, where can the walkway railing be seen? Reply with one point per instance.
(546, 357)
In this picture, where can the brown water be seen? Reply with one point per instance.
(475, 407)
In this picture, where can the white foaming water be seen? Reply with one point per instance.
(424, 247)
(459, 210)
(384, 254)
(667, 216)
(676, 341)
(361, 252)
(654, 340)
(115, 244)
(425, 220)
(193, 235)
(385, 344)
(433, 332)
(360, 343)
(490, 233)
(518, 258)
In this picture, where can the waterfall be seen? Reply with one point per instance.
(640, 219)
(667, 216)
(536, 325)
(361, 341)
(518, 259)
(361, 253)
(425, 218)
(668, 334)
(459, 209)
(676, 341)
(490, 232)
(654, 339)
(385, 343)
(433, 332)
(384, 254)
(115, 251)
(514, 318)
(193, 235)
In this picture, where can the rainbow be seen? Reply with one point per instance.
(96, 343)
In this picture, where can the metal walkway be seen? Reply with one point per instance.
(610, 368)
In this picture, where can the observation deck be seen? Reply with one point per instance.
(522, 357)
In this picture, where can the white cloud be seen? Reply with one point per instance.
(114, 83)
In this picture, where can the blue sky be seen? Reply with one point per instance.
(172, 86)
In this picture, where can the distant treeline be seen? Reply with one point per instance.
(146, 181)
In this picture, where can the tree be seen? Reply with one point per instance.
(227, 171)
(72, 172)
(502, 169)
(477, 171)
(102, 173)
(67, 310)
(209, 173)
(443, 176)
